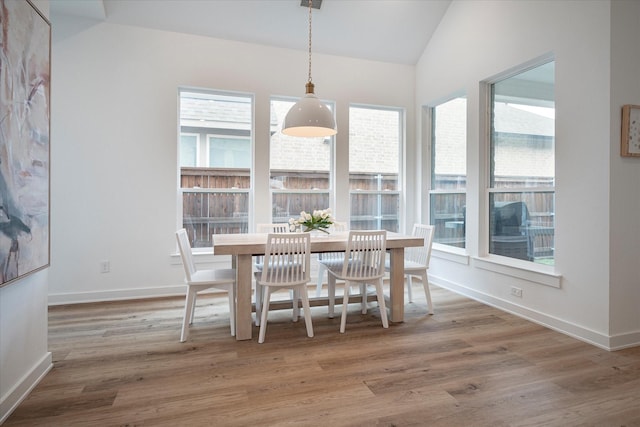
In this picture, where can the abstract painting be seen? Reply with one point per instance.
(25, 50)
(630, 143)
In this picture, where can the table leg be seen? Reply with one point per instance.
(397, 284)
(244, 268)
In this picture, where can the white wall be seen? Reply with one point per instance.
(24, 358)
(479, 40)
(114, 142)
(625, 174)
(114, 116)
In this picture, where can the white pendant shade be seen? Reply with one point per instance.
(309, 118)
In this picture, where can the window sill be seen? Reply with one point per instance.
(537, 273)
(450, 253)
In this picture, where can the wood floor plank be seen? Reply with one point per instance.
(120, 364)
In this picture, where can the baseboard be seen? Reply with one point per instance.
(20, 391)
(575, 331)
(616, 342)
(116, 295)
(621, 341)
(127, 294)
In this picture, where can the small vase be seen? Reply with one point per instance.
(316, 232)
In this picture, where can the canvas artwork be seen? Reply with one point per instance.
(24, 140)
(630, 144)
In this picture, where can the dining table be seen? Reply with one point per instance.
(243, 247)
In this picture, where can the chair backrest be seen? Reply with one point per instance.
(273, 228)
(270, 228)
(287, 259)
(337, 226)
(421, 255)
(185, 253)
(364, 258)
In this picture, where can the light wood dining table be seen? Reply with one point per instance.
(242, 247)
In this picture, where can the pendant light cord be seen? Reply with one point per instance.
(310, 3)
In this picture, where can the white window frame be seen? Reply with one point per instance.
(429, 124)
(399, 192)
(203, 161)
(330, 191)
(534, 272)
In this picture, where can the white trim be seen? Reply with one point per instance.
(376, 192)
(575, 331)
(526, 270)
(519, 69)
(21, 390)
(115, 295)
(301, 190)
(452, 191)
(183, 190)
(627, 340)
(121, 295)
(537, 189)
(450, 253)
(201, 257)
(615, 342)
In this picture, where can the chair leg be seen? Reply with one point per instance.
(189, 305)
(382, 304)
(259, 295)
(232, 310)
(321, 269)
(345, 303)
(295, 296)
(265, 311)
(194, 296)
(427, 292)
(363, 291)
(307, 311)
(409, 286)
(331, 289)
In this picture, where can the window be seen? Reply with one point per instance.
(215, 159)
(522, 174)
(375, 141)
(189, 143)
(447, 197)
(229, 152)
(300, 169)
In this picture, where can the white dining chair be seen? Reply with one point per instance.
(258, 261)
(269, 228)
(363, 264)
(286, 266)
(416, 261)
(327, 259)
(199, 280)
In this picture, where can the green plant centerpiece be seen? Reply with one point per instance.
(319, 220)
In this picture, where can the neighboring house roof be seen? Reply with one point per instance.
(517, 156)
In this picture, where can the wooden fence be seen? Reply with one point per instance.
(216, 200)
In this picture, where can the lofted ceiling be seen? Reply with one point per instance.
(382, 30)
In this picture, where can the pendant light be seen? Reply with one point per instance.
(309, 117)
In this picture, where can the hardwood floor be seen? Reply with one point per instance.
(120, 364)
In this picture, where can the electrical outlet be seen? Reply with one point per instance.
(516, 292)
(105, 266)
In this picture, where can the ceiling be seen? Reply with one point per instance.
(382, 30)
